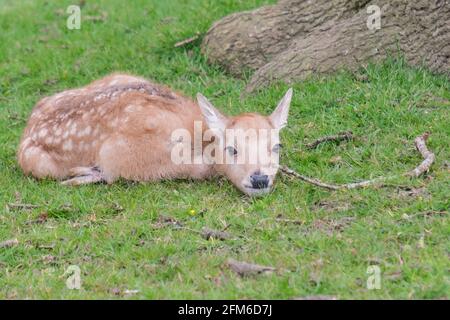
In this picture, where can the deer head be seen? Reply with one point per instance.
(247, 146)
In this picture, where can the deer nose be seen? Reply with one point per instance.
(259, 181)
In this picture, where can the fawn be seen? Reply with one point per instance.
(123, 126)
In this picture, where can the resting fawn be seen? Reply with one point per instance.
(123, 126)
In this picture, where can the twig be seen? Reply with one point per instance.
(347, 135)
(100, 18)
(315, 182)
(214, 234)
(428, 156)
(21, 206)
(423, 167)
(290, 221)
(247, 269)
(9, 243)
(186, 41)
(422, 214)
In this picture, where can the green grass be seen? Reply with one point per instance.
(386, 106)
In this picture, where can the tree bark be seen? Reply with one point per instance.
(296, 38)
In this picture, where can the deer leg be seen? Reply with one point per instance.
(84, 175)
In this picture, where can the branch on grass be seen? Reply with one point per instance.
(427, 155)
(21, 206)
(184, 42)
(247, 269)
(9, 243)
(423, 214)
(207, 234)
(347, 135)
(423, 167)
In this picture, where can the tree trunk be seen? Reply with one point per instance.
(296, 38)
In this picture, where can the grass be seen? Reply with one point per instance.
(385, 105)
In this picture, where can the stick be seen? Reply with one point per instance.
(246, 269)
(287, 221)
(214, 234)
(422, 214)
(9, 243)
(186, 41)
(423, 167)
(20, 206)
(347, 135)
(428, 156)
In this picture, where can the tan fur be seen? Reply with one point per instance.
(121, 124)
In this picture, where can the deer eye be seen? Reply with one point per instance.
(231, 150)
(276, 148)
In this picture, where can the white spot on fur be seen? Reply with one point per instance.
(30, 152)
(101, 96)
(85, 132)
(43, 133)
(25, 143)
(114, 122)
(133, 108)
(96, 130)
(73, 129)
(122, 142)
(67, 146)
(49, 140)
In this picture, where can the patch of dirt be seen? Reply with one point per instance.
(214, 234)
(165, 221)
(330, 205)
(42, 218)
(330, 225)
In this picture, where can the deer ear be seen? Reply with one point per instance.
(214, 119)
(280, 114)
